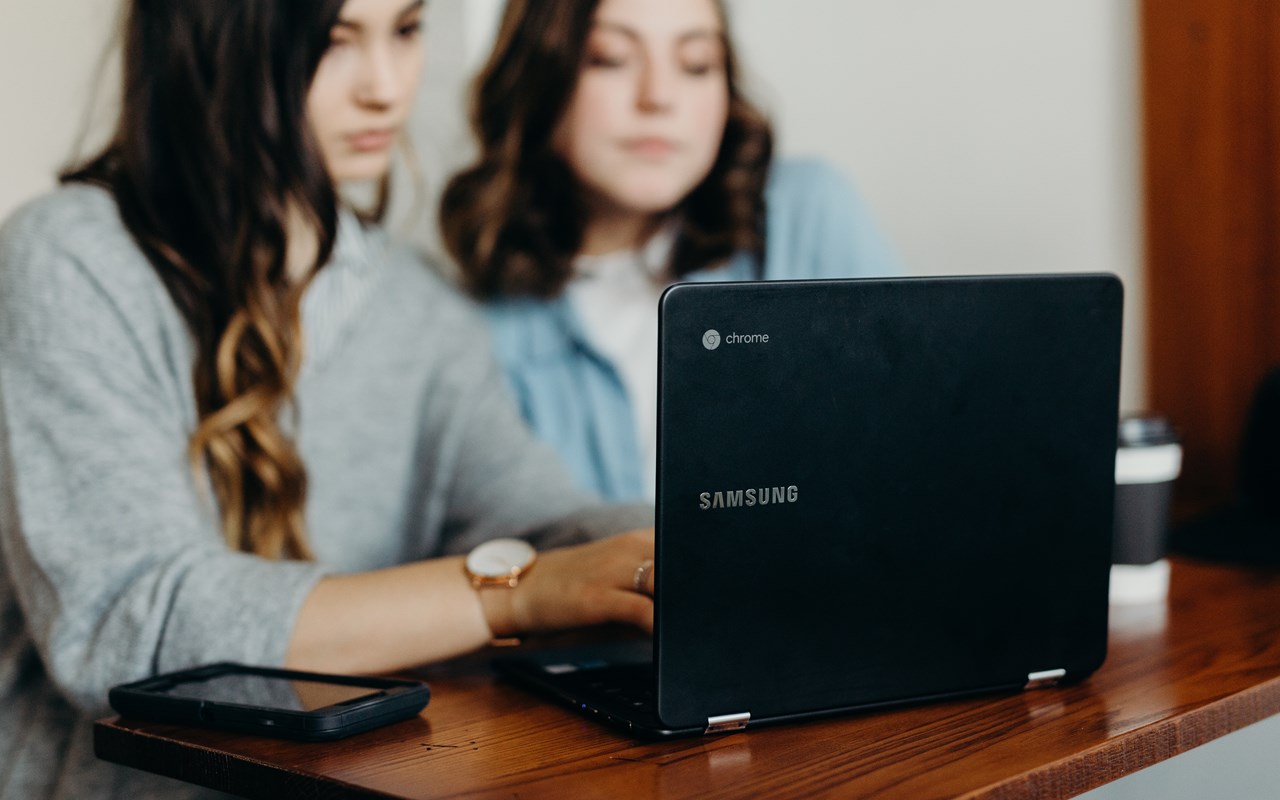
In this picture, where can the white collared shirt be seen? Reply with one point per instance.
(616, 297)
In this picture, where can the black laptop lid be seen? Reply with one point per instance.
(876, 490)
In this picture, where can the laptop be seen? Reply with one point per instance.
(871, 492)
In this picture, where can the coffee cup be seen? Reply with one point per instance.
(1148, 460)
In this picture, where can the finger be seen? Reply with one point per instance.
(642, 577)
(640, 540)
(633, 608)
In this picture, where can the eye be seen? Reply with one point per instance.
(607, 50)
(702, 57)
(606, 61)
(409, 30)
(340, 36)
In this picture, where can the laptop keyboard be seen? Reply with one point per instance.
(626, 689)
(628, 684)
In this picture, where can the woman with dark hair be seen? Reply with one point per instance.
(236, 423)
(618, 154)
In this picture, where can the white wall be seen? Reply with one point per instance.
(988, 136)
(50, 54)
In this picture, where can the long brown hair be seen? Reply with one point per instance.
(514, 220)
(210, 156)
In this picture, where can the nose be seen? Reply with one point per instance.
(657, 86)
(379, 85)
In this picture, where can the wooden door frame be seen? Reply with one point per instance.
(1211, 117)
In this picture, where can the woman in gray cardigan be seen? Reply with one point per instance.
(236, 422)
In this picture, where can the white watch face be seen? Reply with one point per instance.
(500, 558)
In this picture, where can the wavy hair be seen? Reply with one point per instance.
(515, 218)
(211, 159)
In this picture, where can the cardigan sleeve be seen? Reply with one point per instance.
(113, 553)
(503, 480)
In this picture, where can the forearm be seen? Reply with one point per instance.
(389, 619)
(375, 622)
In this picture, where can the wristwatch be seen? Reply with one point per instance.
(499, 562)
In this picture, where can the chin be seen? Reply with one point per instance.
(654, 192)
(653, 202)
(358, 167)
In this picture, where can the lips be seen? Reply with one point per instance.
(372, 140)
(649, 146)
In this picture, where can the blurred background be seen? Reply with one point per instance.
(987, 136)
(1128, 136)
(1138, 137)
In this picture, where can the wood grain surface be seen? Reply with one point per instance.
(1211, 148)
(1177, 676)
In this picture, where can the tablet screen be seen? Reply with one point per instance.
(270, 692)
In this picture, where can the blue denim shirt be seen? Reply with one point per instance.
(572, 397)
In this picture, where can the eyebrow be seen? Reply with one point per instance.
(356, 26)
(633, 34)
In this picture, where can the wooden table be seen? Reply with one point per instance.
(1176, 677)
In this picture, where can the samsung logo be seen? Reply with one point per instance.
(745, 498)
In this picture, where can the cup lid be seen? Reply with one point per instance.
(1145, 431)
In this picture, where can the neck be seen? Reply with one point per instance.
(611, 232)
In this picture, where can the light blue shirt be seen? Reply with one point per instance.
(573, 397)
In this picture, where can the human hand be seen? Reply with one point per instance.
(573, 587)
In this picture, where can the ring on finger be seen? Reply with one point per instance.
(641, 578)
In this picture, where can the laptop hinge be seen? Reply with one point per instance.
(727, 722)
(1048, 677)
